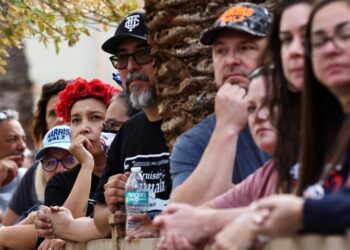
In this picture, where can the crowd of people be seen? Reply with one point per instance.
(272, 160)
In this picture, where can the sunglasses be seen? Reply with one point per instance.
(142, 56)
(51, 164)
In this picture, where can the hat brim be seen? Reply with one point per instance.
(209, 35)
(40, 154)
(110, 46)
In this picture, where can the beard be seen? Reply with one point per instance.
(145, 99)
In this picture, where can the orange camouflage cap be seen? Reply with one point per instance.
(246, 17)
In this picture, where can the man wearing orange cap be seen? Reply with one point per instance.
(202, 158)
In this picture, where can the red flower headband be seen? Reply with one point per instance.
(80, 89)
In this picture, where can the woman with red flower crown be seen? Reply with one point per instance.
(83, 105)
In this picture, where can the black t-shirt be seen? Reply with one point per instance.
(60, 186)
(140, 143)
(25, 195)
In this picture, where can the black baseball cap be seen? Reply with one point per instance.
(132, 26)
(249, 18)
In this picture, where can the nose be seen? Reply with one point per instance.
(60, 167)
(132, 65)
(263, 114)
(232, 58)
(59, 121)
(21, 145)
(84, 128)
(296, 48)
(331, 46)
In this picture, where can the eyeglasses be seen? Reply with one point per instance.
(263, 70)
(340, 39)
(111, 126)
(142, 56)
(50, 164)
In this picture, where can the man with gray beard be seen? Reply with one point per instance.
(144, 99)
(140, 141)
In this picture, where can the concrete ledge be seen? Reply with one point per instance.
(310, 242)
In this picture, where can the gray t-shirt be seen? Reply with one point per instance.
(189, 148)
(7, 191)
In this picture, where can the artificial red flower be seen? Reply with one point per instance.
(80, 89)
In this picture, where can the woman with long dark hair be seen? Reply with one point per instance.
(286, 49)
(325, 132)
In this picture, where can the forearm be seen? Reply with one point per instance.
(80, 230)
(18, 237)
(217, 219)
(101, 215)
(322, 216)
(79, 195)
(214, 171)
(10, 217)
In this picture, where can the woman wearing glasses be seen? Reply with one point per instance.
(54, 157)
(325, 135)
(326, 148)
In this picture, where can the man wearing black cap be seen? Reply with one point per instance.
(205, 154)
(140, 141)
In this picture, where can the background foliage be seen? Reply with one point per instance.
(55, 20)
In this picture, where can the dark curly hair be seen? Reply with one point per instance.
(38, 124)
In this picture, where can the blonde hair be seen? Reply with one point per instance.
(40, 182)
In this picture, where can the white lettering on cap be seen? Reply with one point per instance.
(132, 22)
(58, 135)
